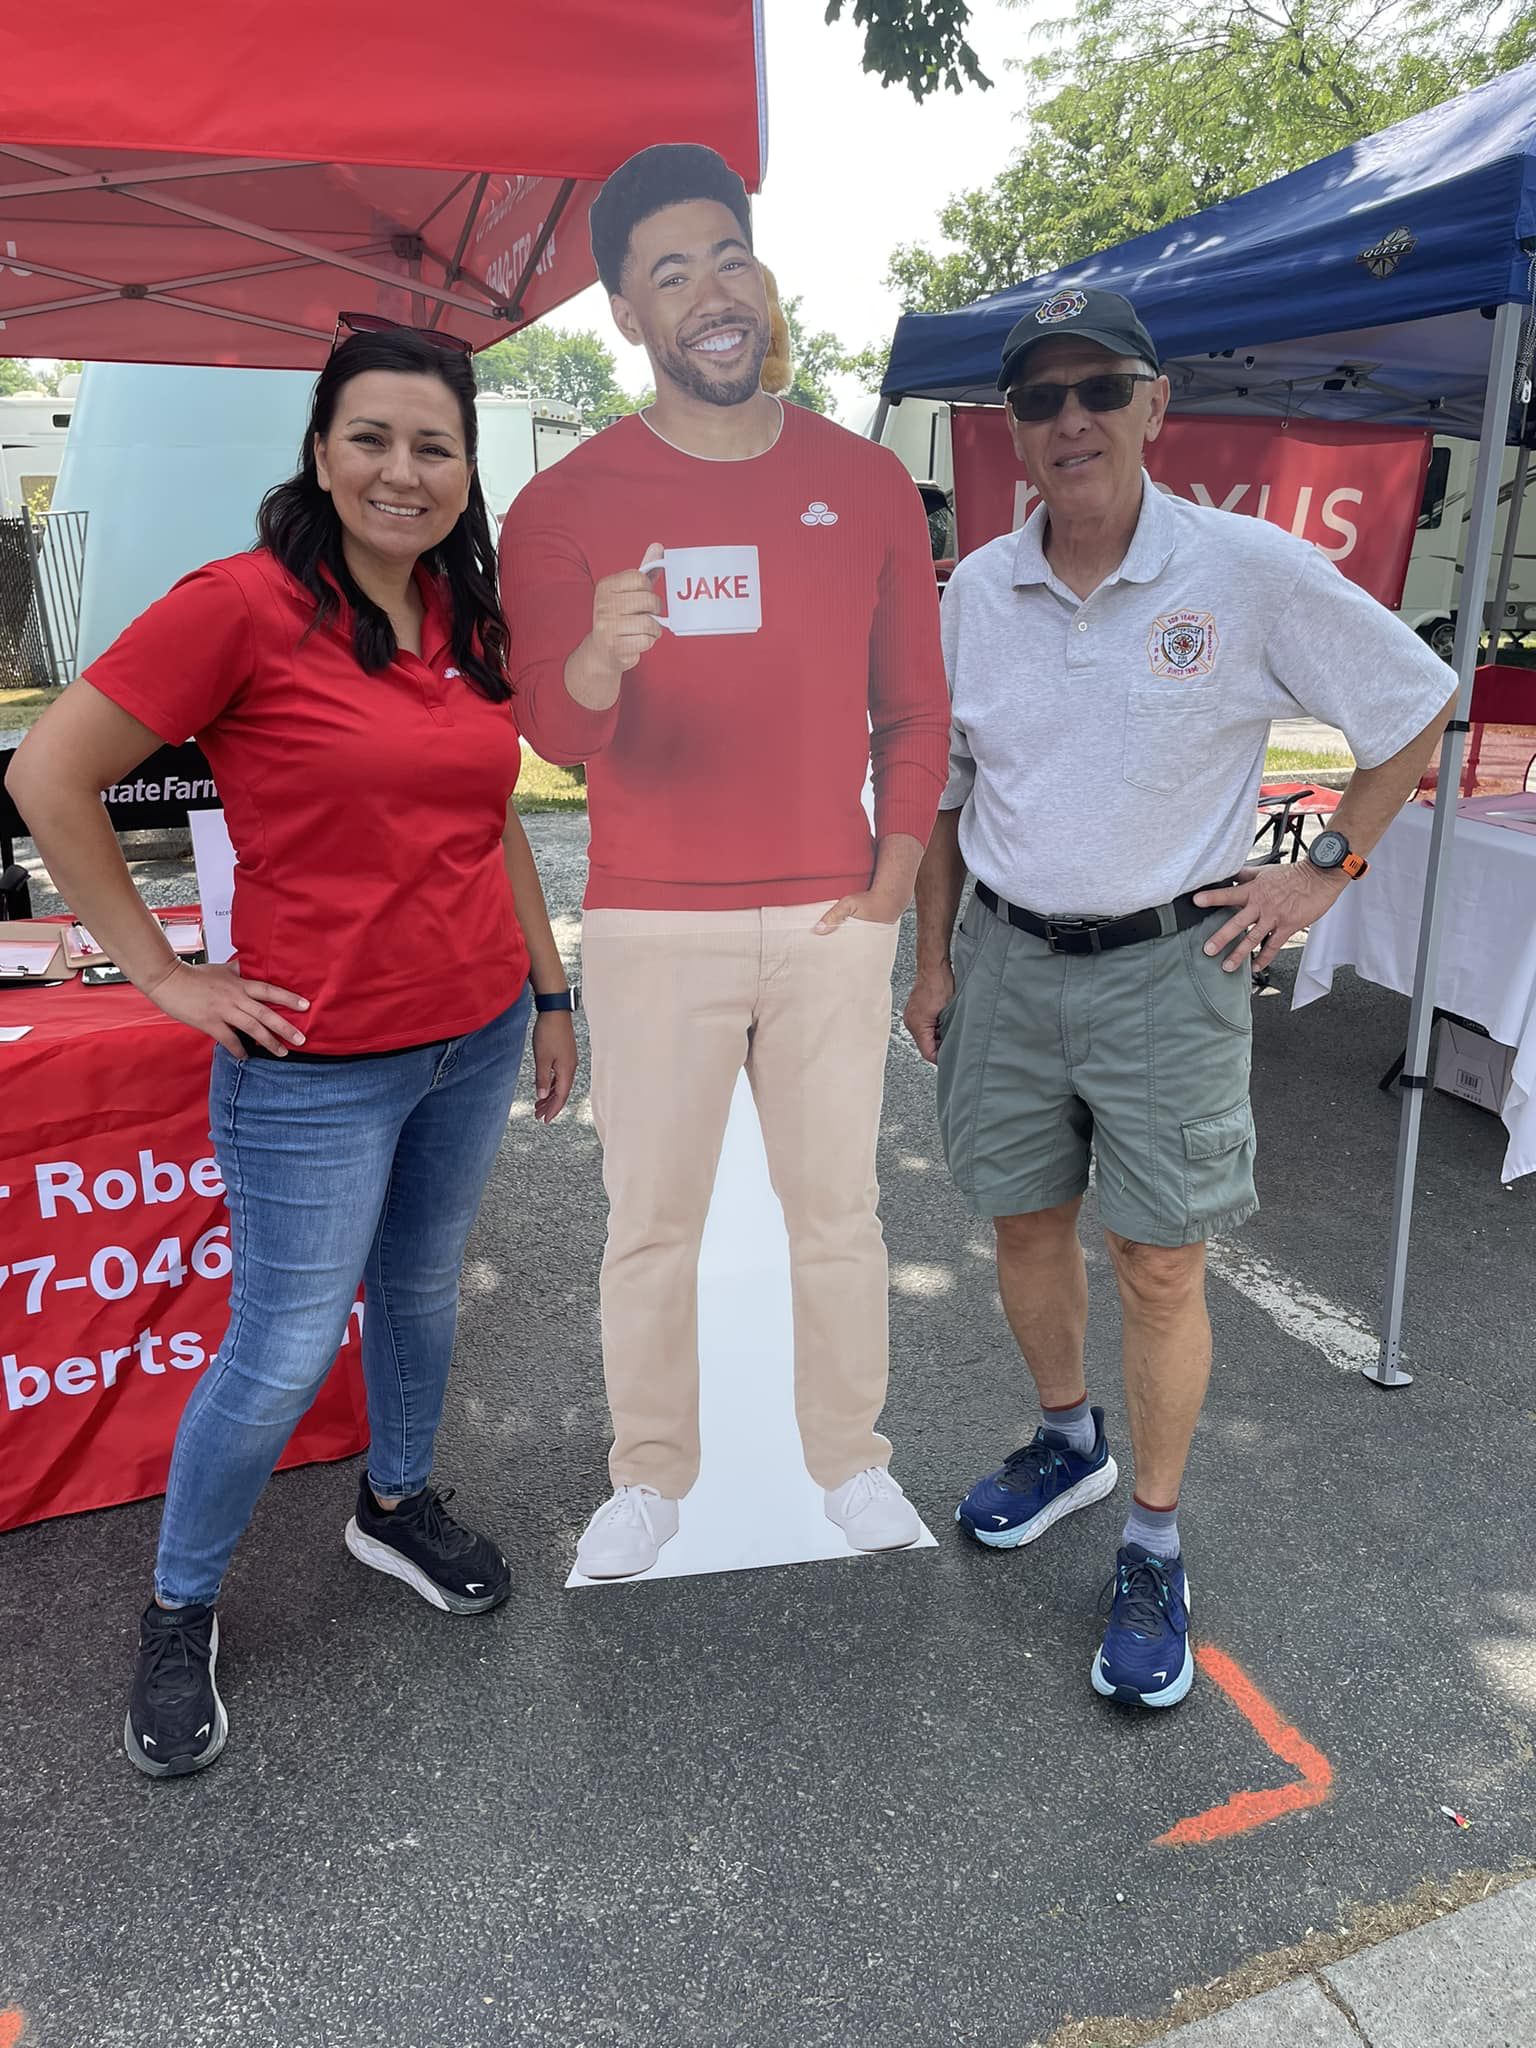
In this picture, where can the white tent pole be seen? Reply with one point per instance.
(1507, 559)
(1387, 1372)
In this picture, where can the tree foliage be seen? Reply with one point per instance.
(1139, 115)
(17, 373)
(816, 358)
(916, 43)
(577, 369)
(617, 404)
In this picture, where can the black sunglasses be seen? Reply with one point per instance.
(1109, 391)
(375, 323)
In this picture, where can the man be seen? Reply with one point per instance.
(1114, 669)
(738, 912)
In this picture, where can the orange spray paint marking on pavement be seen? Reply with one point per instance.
(12, 2023)
(1245, 1810)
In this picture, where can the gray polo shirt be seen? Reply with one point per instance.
(1107, 751)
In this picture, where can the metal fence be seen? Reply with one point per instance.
(42, 562)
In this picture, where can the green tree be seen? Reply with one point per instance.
(617, 404)
(1140, 115)
(916, 43)
(17, 373)
(578, 369)
(816, 359)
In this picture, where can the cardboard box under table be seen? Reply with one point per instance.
(1473, 1066)
(114, 1254)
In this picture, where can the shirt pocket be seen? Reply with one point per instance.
(1168, 727)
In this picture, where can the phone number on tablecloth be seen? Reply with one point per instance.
(115, 1271)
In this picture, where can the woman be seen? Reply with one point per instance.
(346, 680)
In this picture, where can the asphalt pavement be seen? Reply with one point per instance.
(859, 1804)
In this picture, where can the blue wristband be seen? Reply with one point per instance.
(564, 999)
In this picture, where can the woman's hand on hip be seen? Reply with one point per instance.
(554, 1063)
(215, 999)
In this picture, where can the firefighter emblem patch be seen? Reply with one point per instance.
(1183, 644)
(1065, 306)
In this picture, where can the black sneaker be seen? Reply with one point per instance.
(421, 1543)
(176, 1721)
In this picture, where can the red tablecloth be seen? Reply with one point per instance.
(114, 1255)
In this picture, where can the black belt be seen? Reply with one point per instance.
(1101, 934)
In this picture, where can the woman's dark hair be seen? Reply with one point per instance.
(300, 525)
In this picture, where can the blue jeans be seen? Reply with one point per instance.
(364, 1170)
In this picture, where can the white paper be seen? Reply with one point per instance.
(27, 956)
(214, 859)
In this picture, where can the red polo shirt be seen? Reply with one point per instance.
(366, 811)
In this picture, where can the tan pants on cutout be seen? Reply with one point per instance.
(678, 1002)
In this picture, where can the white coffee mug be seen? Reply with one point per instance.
(711, 590)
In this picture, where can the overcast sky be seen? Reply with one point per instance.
(854, 168)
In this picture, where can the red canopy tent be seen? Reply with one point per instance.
(211, 184)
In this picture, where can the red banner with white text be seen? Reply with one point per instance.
(1354, 491)
(115, 1256)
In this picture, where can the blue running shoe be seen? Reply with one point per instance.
(1146, 1660)
(1036, 1487)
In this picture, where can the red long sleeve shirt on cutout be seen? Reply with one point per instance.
(730, 772)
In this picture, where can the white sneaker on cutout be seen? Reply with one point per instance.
(626, 1533)
(873, 1512)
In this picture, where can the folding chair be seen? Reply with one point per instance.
(1284, 809)
(1501, 736)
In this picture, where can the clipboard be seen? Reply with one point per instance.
(32, 954)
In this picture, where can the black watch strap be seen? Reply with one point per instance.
(560, 999)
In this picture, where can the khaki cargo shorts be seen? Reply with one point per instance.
(1139, 1057)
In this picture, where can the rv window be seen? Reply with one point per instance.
(1435, 480)
(61, 419)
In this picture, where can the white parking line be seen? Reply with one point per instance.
(1343, 1337)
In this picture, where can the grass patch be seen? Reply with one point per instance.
(1306, 761)
(541, 786)
(23, 708)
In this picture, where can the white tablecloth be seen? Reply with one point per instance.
(1487, 943)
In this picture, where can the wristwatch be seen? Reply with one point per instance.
(1330, 851)
(560, 999)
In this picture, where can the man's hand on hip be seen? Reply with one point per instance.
(930, 992)
(1269, 904)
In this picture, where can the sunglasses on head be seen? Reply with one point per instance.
(375, 323)
(1109, 391)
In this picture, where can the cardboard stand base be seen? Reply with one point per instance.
(754, 1503)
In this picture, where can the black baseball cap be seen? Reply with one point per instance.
(1086, 315)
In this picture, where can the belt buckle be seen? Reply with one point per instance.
(1072, 926)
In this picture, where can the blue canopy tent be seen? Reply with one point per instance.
(1393, 282)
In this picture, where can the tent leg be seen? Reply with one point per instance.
(882, 414)
(1507, 558)
(1387, 1371)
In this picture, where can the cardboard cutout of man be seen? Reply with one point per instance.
(725, 606)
